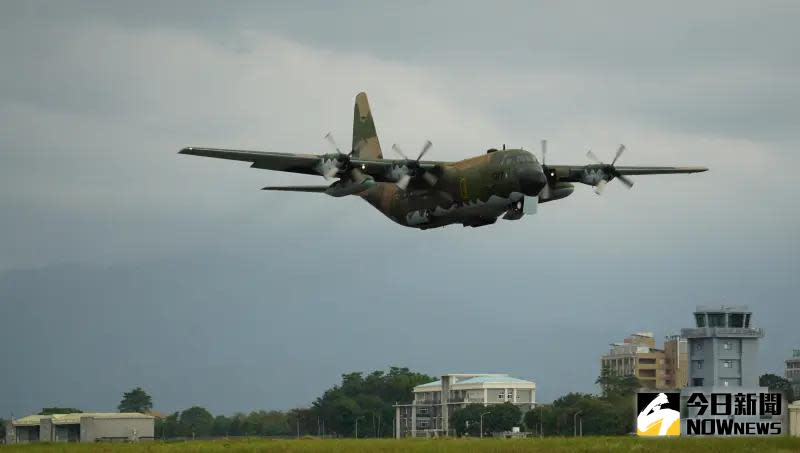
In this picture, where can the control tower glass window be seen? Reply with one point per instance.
(736, 320)
(700, 318)
(716, 320)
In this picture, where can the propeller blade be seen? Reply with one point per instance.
(329, 138)
(600, 187)
(544, 151)
(331, 172)
(592, 157)
(625, 180)
(545, 192)
(357, 175)
(357, 147)
(619, 153)
(530, 206)
(425, 149)
(430, 178)
(399, 151)
(403, 182)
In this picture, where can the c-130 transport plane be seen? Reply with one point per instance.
(429, 194)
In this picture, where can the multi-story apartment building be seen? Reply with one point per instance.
(676, 362)
(655, 368)
(434, 402)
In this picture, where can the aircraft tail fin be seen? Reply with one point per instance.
(365, 138)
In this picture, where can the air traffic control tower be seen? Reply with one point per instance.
(723, 354)
(723, 348)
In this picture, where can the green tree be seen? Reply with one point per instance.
(137, 400)
(166, 427)
(467, 420)
(615, 385)
(540, 419)
(59, 410)
(195, 421)
(2, 429)
(272, 423)
(778, 384)
(501, 417)
(368, 398)
(305, 418)
(221, 426)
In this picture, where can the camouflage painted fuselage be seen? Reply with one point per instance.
(430, 194)
(472, 192)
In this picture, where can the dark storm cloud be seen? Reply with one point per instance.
(177, 274)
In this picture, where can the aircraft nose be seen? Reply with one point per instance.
(532, 181)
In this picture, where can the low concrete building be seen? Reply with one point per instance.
(429, 414)
(794, 419)
(80, 427)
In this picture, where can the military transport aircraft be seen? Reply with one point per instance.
(428, 194)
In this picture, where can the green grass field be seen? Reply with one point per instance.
(587, 444)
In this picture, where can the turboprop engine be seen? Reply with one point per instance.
(556, 191)
(349, 186)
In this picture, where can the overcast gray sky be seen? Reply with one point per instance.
(124, 264)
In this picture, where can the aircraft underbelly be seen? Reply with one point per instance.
(477, 212)
(432, 209)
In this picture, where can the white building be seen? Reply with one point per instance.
(80, 427)
(434, 402)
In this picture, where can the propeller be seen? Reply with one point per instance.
(414, 168)
(545, 193)
(342, 161)
(610, 170)
(544, 152)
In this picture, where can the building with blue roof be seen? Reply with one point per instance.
(428, 415)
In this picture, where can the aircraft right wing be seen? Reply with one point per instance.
(308, 164)
(381, 170)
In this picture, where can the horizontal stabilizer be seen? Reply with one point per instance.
(320, 189)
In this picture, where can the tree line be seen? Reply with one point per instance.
(363, 400)
(367, 400)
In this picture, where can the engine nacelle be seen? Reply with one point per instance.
(555, 192)
(345, 187)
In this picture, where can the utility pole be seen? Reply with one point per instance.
(357, 426)
(541, 422)
(482, 423)
(298, 426)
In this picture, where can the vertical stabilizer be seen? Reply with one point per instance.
(365, 138)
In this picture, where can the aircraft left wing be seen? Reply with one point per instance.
(659, 170)
(578, 173)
